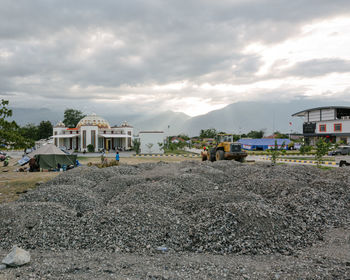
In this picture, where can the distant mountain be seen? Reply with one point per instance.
(169, 122)
(25, 116)
(240, 117)
(243, 117)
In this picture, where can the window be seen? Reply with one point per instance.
(93, 138)
(338, 127)
(84, 139)
(323, 128)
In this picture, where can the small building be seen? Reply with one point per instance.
(331, 123)
(177, 140)
(263, 144)
(151, 141)
(96, 131)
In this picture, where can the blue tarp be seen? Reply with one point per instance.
(263, 144)
(23, 160)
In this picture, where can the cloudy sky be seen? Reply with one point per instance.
(190, 56)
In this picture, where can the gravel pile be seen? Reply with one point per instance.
(222, 207)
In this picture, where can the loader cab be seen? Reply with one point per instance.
(224, 138)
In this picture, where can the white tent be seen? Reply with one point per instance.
(48, 149)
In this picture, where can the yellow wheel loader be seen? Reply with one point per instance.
(225, 149)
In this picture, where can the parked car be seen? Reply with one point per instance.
(341, 150)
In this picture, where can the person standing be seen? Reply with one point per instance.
(117, 156)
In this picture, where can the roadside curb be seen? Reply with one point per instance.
(301, 161)
(189, 156)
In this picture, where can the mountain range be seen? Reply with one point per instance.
(240, 117)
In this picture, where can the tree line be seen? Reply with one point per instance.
(255, 134)
(16, 136)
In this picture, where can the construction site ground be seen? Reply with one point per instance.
(179, 218)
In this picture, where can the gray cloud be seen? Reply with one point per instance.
(100, 47)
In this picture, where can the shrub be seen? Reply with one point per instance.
(275, 152)
(90, 148)
(305, 149)
(322, 148)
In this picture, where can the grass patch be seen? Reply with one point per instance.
(12, 188)
(260, 153)
(177, 152)
(326, 167)
(307, 158)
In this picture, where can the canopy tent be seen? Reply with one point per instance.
(49, 156)
(48, 149)
(52, 161)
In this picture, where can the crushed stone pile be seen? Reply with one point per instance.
(223, 207)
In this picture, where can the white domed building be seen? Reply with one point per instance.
(93, 130)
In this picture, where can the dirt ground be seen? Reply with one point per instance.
(13, 184)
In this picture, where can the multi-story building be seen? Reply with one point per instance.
(96, 131)
(332, 123)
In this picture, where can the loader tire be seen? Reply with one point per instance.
(211, 155)
(219, 155)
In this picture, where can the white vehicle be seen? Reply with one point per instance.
(342, 161)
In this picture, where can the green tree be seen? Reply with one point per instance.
(322, 148)
(45, 130)
(29, 131)
(10, 131)
(280, 135)
(256, 134)
(236, 137)
(72, 117)
(184, 136)
(208, 133)
(304, 149)
(276, 151)
(136, 144)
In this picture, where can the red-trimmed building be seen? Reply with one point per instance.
(331, 122)
(96, 131)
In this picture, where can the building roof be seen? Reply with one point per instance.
(93, 120)
(263, 142)
(60, 124)
(301, 113)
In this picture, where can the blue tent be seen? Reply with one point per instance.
(263, 144)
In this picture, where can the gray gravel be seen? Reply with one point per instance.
(271, 221)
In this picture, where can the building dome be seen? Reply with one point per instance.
(94, 120)
(60, 124)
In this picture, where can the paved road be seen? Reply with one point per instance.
(108, 155)
(262, 159)
(19, 154)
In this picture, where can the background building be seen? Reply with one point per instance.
(331, 122)
(149, 142)
(263, 144)
(96, 131)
